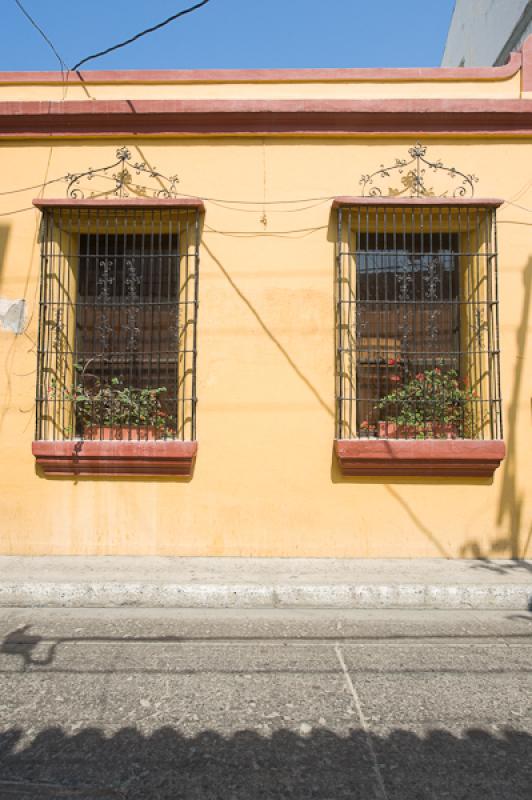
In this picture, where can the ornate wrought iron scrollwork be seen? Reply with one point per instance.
(122, 174)
(414, 173)
(133, 310)
(432, 290)
(104, 282)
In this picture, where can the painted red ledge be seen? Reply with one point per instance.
(419, 458)
(314, 117)
(117, 202)
(396, 202)
(127, 459)
(502, 72)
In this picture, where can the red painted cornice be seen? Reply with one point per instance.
(117, 202)
(318, 117)
(269, 75)
(470, 202)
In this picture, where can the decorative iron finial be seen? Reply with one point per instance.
(124, 183)
(413, 173)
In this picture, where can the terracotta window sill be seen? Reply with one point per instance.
(429, 458)
(128, 459)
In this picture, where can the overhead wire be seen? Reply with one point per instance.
(229, 203)
(17, 211)
(279, 234)
(46, 38)
(139, 35)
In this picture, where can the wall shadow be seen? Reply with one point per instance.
(168, 765)
(515, 541)
(288, 358)
(75, 479)
(4, 235)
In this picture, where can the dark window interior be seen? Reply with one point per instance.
(127, 312)
(408, 312)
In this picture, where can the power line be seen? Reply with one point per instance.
(50, 44)
(17, 211)
(139, 35)
(36, 186)
(228, 203)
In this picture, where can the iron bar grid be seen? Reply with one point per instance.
(117, 328)
(417, 323)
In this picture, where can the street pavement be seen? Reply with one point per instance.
(140, 704)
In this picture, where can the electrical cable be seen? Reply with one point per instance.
(229, 204)
(17, 211)
(281, 234)
(36, 186)
(523, 208)
(139, 35)
(28, 16)
(216, 200)
(221, 204)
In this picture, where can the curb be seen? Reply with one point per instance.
(248, 596)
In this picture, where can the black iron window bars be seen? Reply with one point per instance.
(117, 331)
(417, 321)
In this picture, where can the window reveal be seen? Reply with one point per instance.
(117, 341)
(417, 323)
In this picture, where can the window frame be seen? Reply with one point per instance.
(133, 456)
(359, 456)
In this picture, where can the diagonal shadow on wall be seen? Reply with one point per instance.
(269, 334)
(514, 541)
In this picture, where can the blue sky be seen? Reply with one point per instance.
(229, 34)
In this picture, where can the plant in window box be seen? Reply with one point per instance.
(434, 404)
(114, 411)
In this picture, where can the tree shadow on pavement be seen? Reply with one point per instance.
(167, 765)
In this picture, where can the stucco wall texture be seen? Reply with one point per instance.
(266, 482)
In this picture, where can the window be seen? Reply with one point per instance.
(117, 336)
(417, 321)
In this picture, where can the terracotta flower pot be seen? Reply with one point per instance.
(431, 430)
(122, 433)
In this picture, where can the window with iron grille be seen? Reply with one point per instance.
(117, 333)
(417, 321)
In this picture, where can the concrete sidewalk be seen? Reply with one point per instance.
(150, 582)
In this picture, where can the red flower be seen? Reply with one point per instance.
(395, 378)
(392, 362)
(437, 370)
(420, 376)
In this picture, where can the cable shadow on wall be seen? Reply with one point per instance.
(302, 377)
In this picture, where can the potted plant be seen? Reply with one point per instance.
(433, 404)
(117, 411)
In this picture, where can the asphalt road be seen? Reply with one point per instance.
(239, 705)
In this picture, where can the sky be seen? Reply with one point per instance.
(228, 34)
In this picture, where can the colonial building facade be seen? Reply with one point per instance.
(267, 313)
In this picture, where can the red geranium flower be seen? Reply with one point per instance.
(420, 376)
(392, 362)
(395, 378)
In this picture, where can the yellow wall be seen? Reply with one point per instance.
(265, 481)
(502, 89)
